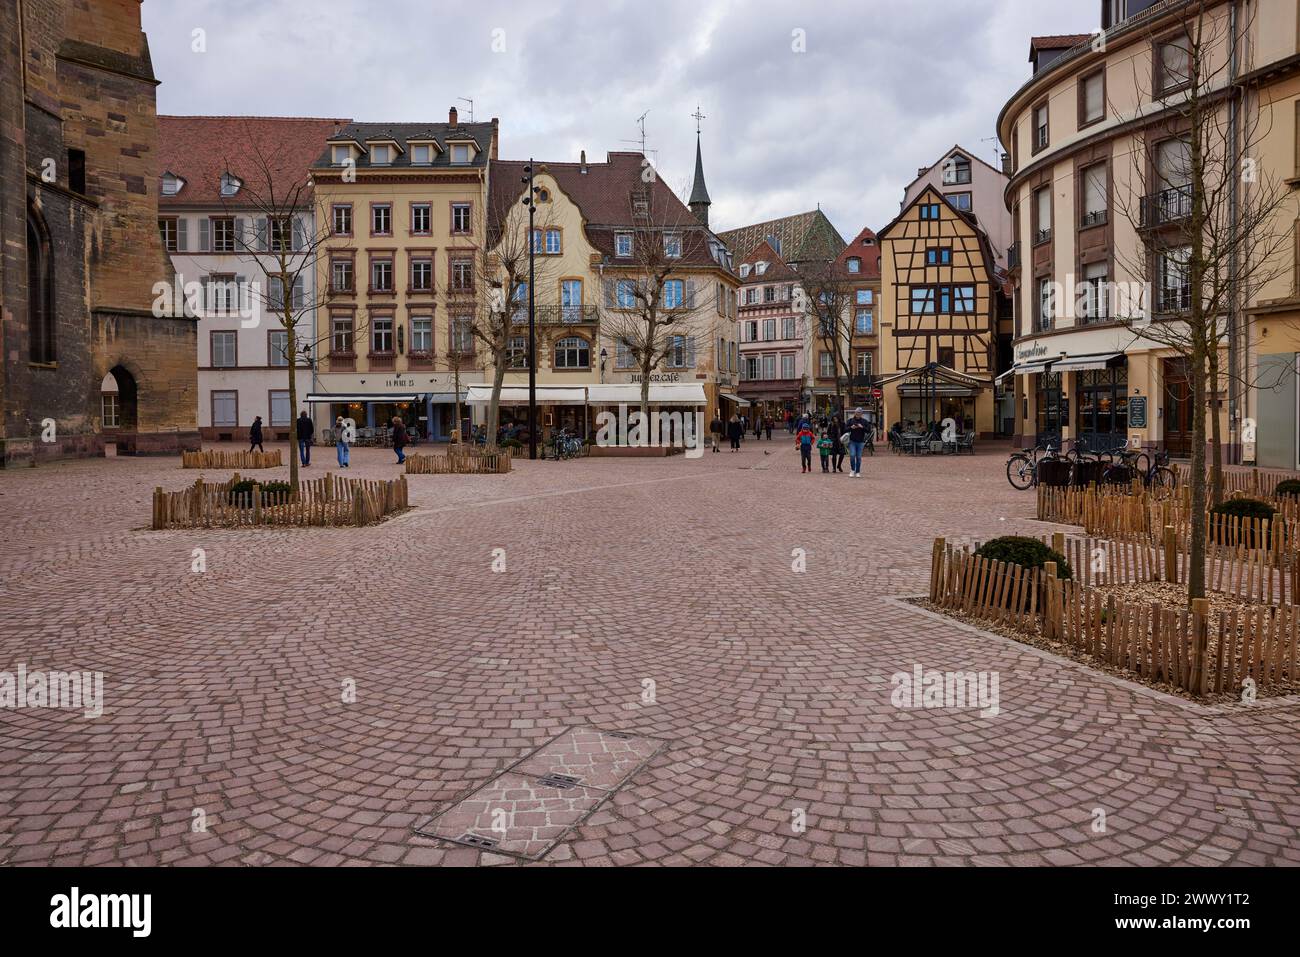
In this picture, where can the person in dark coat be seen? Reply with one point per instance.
(734, 432)
(717, 428)
(305, 432)
(838, 449)
(255, 435)
(399, 439)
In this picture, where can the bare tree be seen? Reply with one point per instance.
(648, 310)
(1209, 214)
(828, 296)
(281, 245)
(500, 271)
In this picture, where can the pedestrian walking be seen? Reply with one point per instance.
(838, 448)
(255, 435)
(758, 428)
(399, 440)
(858, 429)
(716, 427)
(824, 450)
(734, 432)
(805, 440)
(767, 427)
(306, 430)
(341, 442)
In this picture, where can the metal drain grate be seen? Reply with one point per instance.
(475, 841)
(618, 734)
(563, 782)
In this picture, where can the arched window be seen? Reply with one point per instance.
(40, 290)
(573, 353)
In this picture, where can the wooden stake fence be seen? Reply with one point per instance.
(219, 459)
(1198, 651)
(327, 501)
(460, 463)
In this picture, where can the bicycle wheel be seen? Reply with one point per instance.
(1164, 477)
(1020, 472)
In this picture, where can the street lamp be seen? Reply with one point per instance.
(532, 315)
(604, 354)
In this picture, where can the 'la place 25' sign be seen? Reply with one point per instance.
(399, 383)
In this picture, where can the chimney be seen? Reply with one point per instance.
(451, 116)
(583, 162)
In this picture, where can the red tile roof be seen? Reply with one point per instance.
(777, 269)
(866, 248)
(603, 195)
(200, 148)
(1059, 41)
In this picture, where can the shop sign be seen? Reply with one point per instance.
(1137, 412)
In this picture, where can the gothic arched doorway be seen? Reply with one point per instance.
(118, 401)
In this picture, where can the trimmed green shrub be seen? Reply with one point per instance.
(1028, 552)
(241, 493)
(1287, 487)
(511, 444)
(1245, 508)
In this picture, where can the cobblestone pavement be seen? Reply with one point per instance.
(653, 597)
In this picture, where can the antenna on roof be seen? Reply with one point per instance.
(640, 122)
(997, 150)
(465, 99)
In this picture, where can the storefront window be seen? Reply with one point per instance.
(1051, 408)
(1101, 398)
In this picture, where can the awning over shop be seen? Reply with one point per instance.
(661, 393)
(1099, 360)
(938, 381)
(518, 395)
(319, 398)
(730, 397)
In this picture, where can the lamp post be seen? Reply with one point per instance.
(532, 315)
(604, 354)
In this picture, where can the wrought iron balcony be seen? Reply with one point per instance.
(1095, 218)
(1042, 236)
(1167, 206)
(1013, 255)
(556, 315)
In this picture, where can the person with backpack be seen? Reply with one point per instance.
(804, 441)
(341, 441)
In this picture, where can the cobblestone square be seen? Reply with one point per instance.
(310, 695)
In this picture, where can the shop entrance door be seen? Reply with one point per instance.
(1178, 408)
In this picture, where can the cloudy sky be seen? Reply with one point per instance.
(830, 102)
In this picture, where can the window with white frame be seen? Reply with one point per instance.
(626, 294)
(460, 213)
(623, 245)
(769, 367)
(281, 411)
(381, 219)
(342, 219)
(381, 335)
(673, 294)
(225, 408)
(460, 153)
(462, 336)
(573, 352)
(421, 218)
(381, 155)
(421, 273)
(681, 354)
(787, 366)
(826, 365)
(750, 367)
(788, 327)
(421, 155)
(223, 350)
(769, 330)
(277, 348)
(422, 334)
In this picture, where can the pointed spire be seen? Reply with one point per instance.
(700, 201)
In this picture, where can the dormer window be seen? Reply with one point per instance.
(230, 184)
(956, 170)
(172, 184)
(622, 245)
(340, 155)
(673, 245)
(381, 155)
(855, 264)
(421, 155)
(760, 268)
(460, 153)
(744, 271)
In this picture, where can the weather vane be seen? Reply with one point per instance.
(698, 116)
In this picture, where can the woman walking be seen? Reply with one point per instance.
(255, 435)
(399, 439)
(734, 432)
(341, 441)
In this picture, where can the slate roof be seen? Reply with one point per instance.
(199, 148)
(403, 134)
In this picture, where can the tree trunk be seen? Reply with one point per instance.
(291, 353)
(494, 406)
(1216, 430)
(1196, 555)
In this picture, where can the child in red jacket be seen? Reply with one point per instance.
(805, 440)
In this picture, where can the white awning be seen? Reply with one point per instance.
(1030, 368)
(661, 393)
(1101, 360)
(518, 395)
(731, 397)
(317, 398)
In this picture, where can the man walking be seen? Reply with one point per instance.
(399, 439)
(716, 428)
(857, 439)
(255, 435)
(305, 432)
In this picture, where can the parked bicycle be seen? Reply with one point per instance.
(1022, 467)
(1154, 469)
(566, 445)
